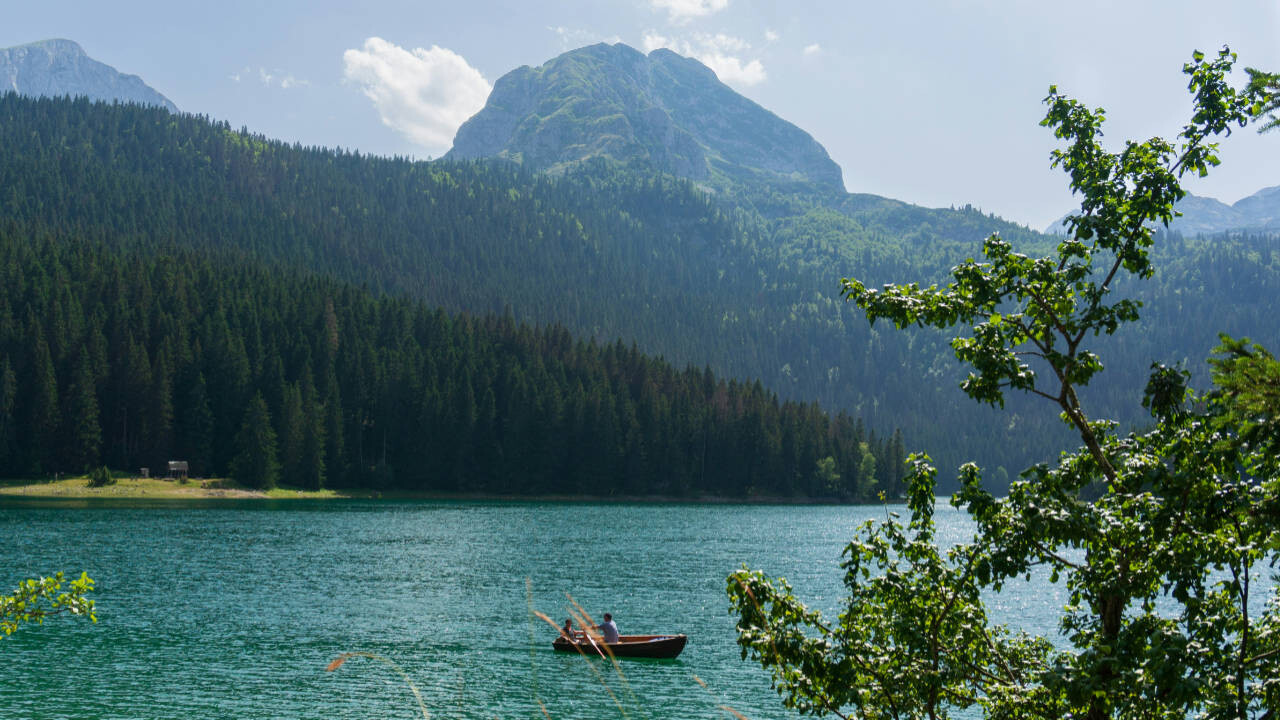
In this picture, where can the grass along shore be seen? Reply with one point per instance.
(126, 486)
(129, 486)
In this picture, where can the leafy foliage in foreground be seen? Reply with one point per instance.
(1161, 620)
(134, 359)
(1267, 84)
(36, 599)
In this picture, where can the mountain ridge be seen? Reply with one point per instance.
(56, 67)
(662, 110)
(1203, 215)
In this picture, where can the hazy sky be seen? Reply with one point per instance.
(936, 103)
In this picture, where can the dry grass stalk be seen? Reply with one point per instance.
(590, 627)
(338, 661)
(733, 712)
(584, 620)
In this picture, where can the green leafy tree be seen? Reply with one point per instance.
(256, 463)
(867, 473)
(1267, 85)
(34, 600)
(827, 477)
(1157, 568)
(1247, 377)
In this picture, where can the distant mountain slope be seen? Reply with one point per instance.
(1261, 208)
(608, 254)
(1205, 215)
(662, 111)
(54, 68)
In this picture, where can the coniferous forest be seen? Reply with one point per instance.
(129, 360)
(745, 286)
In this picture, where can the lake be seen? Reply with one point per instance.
(233, 609)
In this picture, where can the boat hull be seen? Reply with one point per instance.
(628, 646)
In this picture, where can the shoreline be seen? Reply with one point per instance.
(76, 488)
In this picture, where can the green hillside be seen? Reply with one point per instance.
(608, 254)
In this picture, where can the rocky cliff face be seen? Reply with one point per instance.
(61, 67)
(662, 110)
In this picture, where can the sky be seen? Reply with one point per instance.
(932, 102)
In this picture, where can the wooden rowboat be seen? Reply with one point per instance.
(632, 646)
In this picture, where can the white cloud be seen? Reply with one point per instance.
(732, 71)
(719, 52)
(770, 36)
(653, 41)
(724, 43)
(811, 50)
(273, 78)
(422, 94)
(682, 11)
(574, 38)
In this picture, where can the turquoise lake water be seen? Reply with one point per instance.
(233, 609)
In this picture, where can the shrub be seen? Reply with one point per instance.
(101, 477)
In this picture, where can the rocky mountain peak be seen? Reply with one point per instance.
(662, 111)
(58, 67)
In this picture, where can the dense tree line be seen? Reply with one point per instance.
(746, 284)
(131, 359)
(608, 254)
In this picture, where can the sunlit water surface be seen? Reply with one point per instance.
(233, 610)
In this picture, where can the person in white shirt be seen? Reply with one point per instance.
(608, 629)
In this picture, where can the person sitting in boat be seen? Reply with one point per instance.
(608, 630)
(568, 632)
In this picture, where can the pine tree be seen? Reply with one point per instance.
(311, 469)
(82, 431)
(133, 422)
(8, 404)
(159, 445)
(255, 463)
(896, 457)
(40, 411)
(291, 436)
(195, 427)
(228, 375)
(335, 459)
